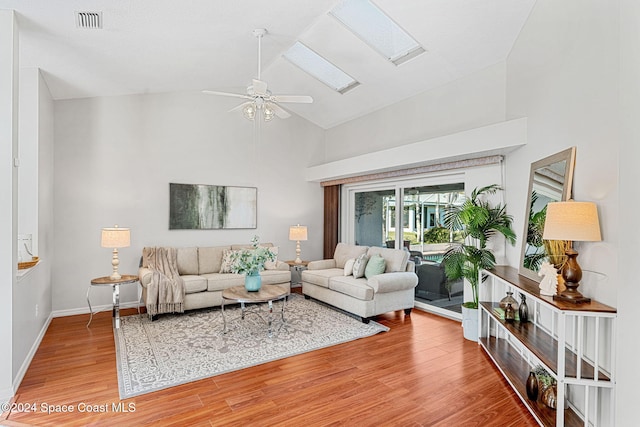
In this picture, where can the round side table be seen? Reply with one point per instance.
(115, 285)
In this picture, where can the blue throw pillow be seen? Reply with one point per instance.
(375, 266)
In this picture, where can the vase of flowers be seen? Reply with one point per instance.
(250, 262)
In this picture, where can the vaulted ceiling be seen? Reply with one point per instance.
(149, 46)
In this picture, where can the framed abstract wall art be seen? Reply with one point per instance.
(208, 207)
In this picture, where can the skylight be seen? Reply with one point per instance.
(323, 70)
(376, 29)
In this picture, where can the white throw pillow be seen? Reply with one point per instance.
(348, 266)
(360, 265)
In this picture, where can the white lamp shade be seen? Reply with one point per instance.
(298, 232)
(115, 237)
(571, 220)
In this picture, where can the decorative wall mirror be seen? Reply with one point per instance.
(550, 180)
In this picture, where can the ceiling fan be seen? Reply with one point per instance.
(259, 97)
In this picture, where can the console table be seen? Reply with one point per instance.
(115, 285)
(575, 343)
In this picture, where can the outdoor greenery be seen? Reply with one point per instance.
(543, 250)
(251, 261)
(407, 235)
(535, 227)
(479, 222)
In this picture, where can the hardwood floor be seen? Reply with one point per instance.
(420, 373)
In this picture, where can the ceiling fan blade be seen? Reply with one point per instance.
(259, 87)
(239, 107)
(235, 95)
(280, 112)
(300, 99)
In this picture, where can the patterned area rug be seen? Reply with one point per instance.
(176, 349)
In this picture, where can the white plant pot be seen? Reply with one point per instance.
(470, 323)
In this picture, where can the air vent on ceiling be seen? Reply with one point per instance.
(89, 20)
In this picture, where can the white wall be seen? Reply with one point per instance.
(116, 156)
(34, 289)
(629, 177)
(562, 74)
(8, 189)
(470, 102)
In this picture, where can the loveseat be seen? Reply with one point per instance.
(200, 267)
(335, 281)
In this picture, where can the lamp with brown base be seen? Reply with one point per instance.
(572, 221)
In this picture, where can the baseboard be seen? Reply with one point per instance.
(32, 352)
(438, 310)
(96, 309)
(6, 394)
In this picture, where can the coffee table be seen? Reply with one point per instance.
(267, 294)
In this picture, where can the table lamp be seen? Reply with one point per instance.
(575, 222)
(297, 233)
(115, 237)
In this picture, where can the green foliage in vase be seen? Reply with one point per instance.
(544, 378)
(479, 222)
(251, 261)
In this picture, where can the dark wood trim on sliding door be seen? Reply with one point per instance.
(331, 219)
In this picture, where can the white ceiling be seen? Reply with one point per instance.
(149, 46)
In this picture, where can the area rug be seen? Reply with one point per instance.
(176, 349)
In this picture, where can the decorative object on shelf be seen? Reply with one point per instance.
(546, 386)
(509, 313)
(114, 238)
(556, 255)
(532, 386)
(523, 311)
(501, 313)
(297, 233)
(250, 262)
(549, 283)
(548, 396)
(572, 221)
(479, 221)
(509, 299)
(28, 264)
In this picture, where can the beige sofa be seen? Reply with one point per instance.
(392, 290)
(200, 269)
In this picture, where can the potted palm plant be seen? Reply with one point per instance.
(478, 221)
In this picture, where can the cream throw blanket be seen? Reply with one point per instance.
(165, 292)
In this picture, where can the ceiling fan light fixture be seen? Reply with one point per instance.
(269, 114)
(249, 111)
(260, 97)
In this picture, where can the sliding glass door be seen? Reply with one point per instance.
(409, 214)
(374, 217)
